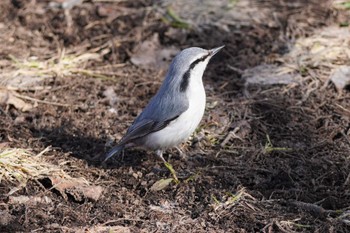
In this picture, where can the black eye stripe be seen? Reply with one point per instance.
(193, 64)
(186, 77)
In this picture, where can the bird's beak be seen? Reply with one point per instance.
(214, 51)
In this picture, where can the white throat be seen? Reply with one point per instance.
(196, 76)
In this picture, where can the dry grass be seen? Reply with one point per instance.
(18, 166)
(30, 73)
(61, 66)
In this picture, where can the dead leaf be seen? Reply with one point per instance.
(19, 120)
(150, 54)
(92, 193)
(341, 77)
(78, 188)
(25, 82)
(268, 75)
(9, 98)
(161, 184)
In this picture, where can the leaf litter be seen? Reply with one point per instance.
(252, 188)
(18, 166)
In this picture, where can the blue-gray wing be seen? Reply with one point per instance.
(156, 116)
(144, 128)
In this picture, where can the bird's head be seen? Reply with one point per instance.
(190, 64)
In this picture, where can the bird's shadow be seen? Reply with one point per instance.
(89, 148)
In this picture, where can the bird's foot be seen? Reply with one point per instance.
(168, 165)
(172, 171)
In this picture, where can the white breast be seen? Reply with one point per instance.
(181, 128)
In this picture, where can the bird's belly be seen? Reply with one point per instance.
(181, 128)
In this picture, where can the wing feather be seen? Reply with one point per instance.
(144, 128)
(163, 108)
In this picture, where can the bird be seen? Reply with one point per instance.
(176, 110)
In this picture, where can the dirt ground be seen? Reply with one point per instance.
(269, 156)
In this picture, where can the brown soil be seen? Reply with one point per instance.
(236, 184)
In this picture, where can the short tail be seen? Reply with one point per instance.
(114, 151)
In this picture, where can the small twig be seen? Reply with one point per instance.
(347, 180)
(123, 219)
(269, 146)
(37, 88)
(44, 151)
(313, 209)
(342, 108)
(41, 101)
(239, 71)
(230, 135)
(281, 228)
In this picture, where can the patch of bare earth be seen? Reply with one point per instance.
(271, 154)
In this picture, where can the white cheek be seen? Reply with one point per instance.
(198, 71)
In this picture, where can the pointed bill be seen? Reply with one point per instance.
(215, 50)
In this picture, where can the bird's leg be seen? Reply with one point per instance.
(160, 155)
(168, 165)
(183, 156)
